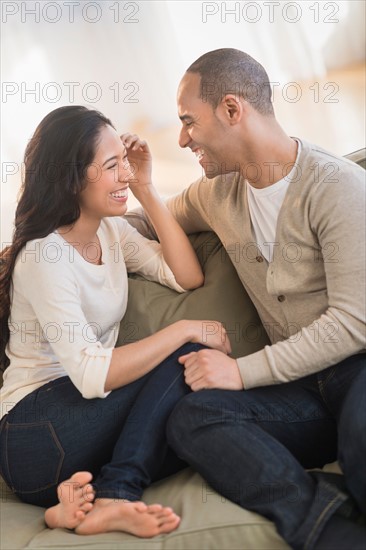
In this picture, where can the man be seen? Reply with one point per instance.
(292, 218)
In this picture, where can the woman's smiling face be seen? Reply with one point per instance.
(107, 178)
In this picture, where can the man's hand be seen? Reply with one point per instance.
(209, 368)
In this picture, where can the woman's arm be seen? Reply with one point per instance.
(177, 250)
(50, 319)
(132, 361)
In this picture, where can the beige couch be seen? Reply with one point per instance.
(208, 520)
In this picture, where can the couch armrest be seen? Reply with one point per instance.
(359, 157)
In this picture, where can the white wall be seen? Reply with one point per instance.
(141, 50)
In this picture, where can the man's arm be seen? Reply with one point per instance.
(190, 208)
(337, 216)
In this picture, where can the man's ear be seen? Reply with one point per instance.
(232, 108)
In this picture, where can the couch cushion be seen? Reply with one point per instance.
(222, 297)
(208, 521)
(359, 157)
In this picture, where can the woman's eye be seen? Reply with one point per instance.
(111, 167)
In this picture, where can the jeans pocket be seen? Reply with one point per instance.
(33, 457)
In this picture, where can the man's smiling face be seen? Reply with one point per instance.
(204, 129)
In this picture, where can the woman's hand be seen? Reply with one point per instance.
(209, 333)
(177, 250)
(139, 158)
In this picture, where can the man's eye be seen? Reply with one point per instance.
(189, 124)
(111, 167)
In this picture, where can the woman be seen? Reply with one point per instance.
(74, 408)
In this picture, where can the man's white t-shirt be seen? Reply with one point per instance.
(264, 207)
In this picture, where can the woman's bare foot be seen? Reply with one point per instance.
(76, 497)
(136, 518)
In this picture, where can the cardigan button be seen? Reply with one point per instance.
(281, 298)
(259, 259)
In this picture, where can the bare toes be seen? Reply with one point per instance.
(170, 525)
(140, 506)
(72, 485)
(81, 478)
(86, 507)
(88, 493)
(76, 497)
(165, 512)
(168, 509)
(154, 508)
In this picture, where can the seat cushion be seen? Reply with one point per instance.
(208, 521)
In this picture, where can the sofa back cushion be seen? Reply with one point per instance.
(222, 298)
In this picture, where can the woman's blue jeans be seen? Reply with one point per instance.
(252, 446)
(55, 432)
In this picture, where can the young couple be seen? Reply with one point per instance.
(302, 400)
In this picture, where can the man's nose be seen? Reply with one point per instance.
(184, 138)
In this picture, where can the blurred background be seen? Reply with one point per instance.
(126, 59)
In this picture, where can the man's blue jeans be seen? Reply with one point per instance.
(54, 432)
(252, 446)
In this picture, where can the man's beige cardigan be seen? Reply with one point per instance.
(311, 297)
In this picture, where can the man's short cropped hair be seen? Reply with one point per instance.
(230, 71)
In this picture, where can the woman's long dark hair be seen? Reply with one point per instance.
(55, 161)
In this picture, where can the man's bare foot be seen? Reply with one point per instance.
(136, 518)
(76, 497)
